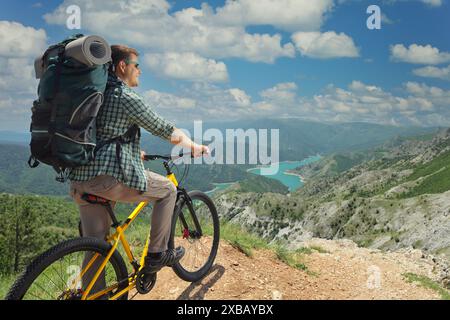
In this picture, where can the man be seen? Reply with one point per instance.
(117, 173)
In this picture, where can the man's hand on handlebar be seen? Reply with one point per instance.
(199, 150)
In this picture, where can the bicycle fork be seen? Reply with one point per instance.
(187, 233)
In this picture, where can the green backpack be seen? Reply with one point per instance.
(63, 122)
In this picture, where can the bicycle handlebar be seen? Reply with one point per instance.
(151, 157)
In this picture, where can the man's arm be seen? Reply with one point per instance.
(145, 117)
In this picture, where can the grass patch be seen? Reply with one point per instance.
(290, 258)
(242, 240)
(427, 283)
(319, 249)
(310, 250)
(364, 243)
(247, 242)
(6, 281)
(304, 250)
(294, 258)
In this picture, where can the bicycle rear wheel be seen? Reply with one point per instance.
(57, 273)
(195, 228)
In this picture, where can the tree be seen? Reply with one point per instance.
(20, 236)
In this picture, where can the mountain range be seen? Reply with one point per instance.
(396, 195)
(298, 140)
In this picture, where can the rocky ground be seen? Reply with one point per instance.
(341, 270)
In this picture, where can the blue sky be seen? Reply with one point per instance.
(215, 60)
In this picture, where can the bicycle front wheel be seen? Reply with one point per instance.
(64, 272)
(196, 228)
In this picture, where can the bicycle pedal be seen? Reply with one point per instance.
(145, 281)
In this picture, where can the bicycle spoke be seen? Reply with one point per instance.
(196, 256)
(37, 284)
(45, 274)
(201, 245)
(32, 294)
(63, 282)
(189, 257)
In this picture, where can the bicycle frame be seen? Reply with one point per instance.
(119, 237)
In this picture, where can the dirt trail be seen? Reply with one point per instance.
(344, 271)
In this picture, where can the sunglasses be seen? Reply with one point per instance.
(128, 61)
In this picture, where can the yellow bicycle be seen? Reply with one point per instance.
(88, 268)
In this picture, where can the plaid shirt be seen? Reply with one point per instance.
(121, 109)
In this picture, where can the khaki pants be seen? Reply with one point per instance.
(95, 220)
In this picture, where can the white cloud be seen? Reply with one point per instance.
(432, 3)
(439, 97)
(289, 15)
(422, 90)
(433, 72)
(416, 88)
(282, 93)
(417, 104)
(385, 19)
(325, 45)
(187, 66)
(148, 23)
(241, 98)
(15, 111)
(218, 103)
(418, 54)
(202, 101)
(19, 46)
(19, 41)
(166, 100)
(358, 86)
(17, 76)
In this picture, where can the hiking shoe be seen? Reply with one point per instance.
(155, 261)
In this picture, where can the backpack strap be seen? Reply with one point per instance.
(35, 162)
(63, 174)
(56, 84)
(133, 132)
(51, 125)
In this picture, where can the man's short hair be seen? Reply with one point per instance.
(121, 52)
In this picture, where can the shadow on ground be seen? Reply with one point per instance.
(197, 290)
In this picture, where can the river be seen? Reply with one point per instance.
(292, 181)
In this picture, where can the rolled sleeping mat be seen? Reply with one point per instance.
(89, 50)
